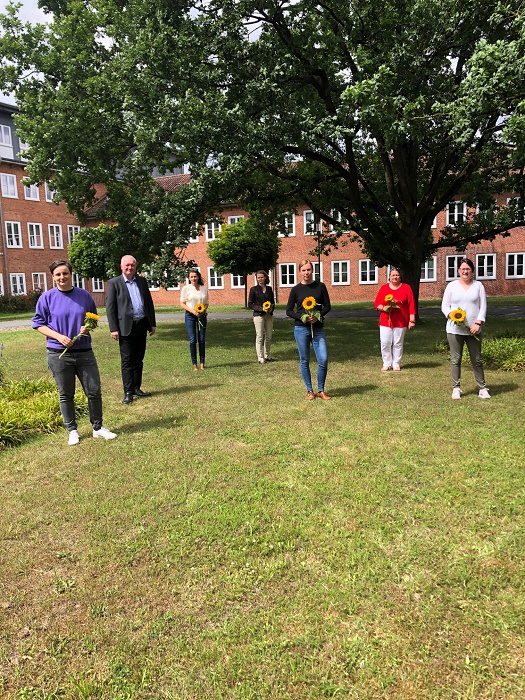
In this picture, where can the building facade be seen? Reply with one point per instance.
(37, 231)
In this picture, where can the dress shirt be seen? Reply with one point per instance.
(136, 299)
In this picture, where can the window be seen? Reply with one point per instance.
(515, 265)
(215, 280)
(97, 284)
(194, 234)
(1, 284)
(71, 232)
(13, 235)
(312, 223)
(212, 227)
(9, 186)
(456, 213)
(55, 236)
(18, 283)
(287, 274)
(486, 266)
(428, 270)
(340, 272)
(39, 281)
(31, 192)
(452, 266)
(5, 135)
(318, 271)
(287, 228)
(367, 272)
(34, 234)
(519, 203)
(237, 281)
(340, 219)
(77, 281)
(235, 219)
(50, 193)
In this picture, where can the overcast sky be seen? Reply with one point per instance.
(29, 12)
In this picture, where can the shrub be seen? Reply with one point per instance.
(19, 302)
(504, 351)
(28, 407)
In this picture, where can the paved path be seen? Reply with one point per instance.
(512, 311)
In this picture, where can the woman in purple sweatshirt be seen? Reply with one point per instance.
(60, 315)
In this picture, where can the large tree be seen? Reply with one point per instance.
(379, 111)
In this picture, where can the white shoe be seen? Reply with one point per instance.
(385, 368)
(456, 393)
(104, 433)
(74, 438)
(484, 394)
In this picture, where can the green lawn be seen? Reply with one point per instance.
(236, 541)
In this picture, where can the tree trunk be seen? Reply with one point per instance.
(411, 272)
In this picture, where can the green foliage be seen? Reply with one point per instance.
(31, 406)
(505, 352)
(19, 302)
(244, 247)
(96, 251)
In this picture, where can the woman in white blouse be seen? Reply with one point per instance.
(468, 295)
(194, 300)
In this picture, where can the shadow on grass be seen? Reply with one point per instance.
(187, 388)
(420, 365)
(353, 390)
(149, 424)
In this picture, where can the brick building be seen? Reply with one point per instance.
(37, 231)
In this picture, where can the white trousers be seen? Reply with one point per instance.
(391, 345)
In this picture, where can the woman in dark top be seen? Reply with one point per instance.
(308, 304)
(262, 302)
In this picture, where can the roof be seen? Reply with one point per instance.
(171, 183)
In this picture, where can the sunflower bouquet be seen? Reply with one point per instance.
(267, 306)
(309, 305)
(459, 318)
(200, 309)
(90, 323)
(390, 303)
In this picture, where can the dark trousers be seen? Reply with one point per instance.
(132, 351)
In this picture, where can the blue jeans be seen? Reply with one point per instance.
(65, 370)
(196, 330)
(303, 338)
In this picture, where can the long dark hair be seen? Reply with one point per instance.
(199, 276)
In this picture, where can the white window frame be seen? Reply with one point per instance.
(18, 283)
(9, 188)
(309, 220)
(35, 235)
(429, 270)
(41, 281)
(521, 204)
(289, 226)
(97, 285)
(212, 228)
(5, 135)
(456, 213)
(215, 280)
(72, 230)
(55, 236)
(448, 260)
(2, 291)
(517, 262)
(235, 219)
(13, 234)
(287, 271)
(237, 281)
(317, 270)
(337, 270)
(367, 267)
(336, 214)
(50, 192)
(486, 266)
(194, 235)
(32, 192)
(78, 281)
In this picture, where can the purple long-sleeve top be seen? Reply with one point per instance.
(65, 313)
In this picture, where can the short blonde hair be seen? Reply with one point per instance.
(306, 262)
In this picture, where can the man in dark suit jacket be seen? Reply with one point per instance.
(131, 314)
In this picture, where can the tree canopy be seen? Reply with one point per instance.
(377, 113)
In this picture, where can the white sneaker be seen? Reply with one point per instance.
(484, 394)
(456, 393)
(104, 433)
(74, 438)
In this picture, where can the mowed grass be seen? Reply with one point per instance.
(236, 541)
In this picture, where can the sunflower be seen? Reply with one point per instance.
(267, 305)
(458, 315)
(200, 308)
(309, 304)
(389, 297)
(95, 317)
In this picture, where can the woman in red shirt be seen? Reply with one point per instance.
(395, 301)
